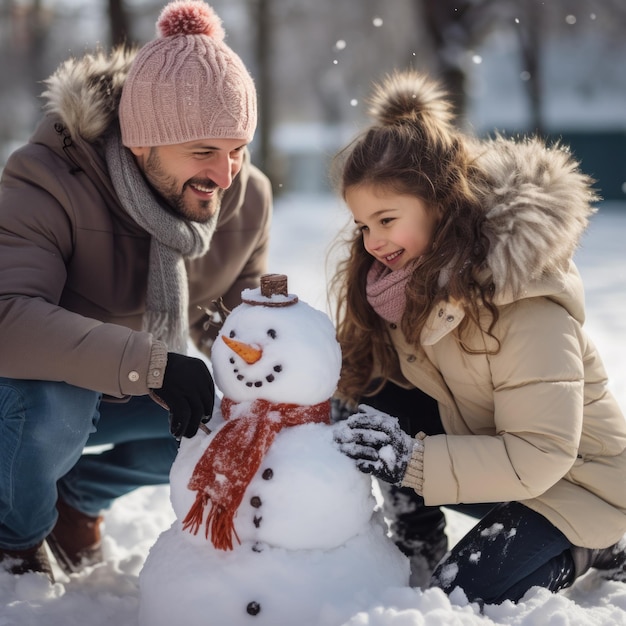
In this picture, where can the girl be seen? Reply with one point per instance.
(460, 316)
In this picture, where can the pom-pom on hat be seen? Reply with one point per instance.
(187, 84)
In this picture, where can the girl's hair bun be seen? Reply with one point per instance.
(408, 96)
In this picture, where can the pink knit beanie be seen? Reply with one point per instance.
(187, 84)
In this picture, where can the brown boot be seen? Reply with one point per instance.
(33, 559)
(75, 540)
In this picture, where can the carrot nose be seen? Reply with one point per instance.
(247, 352)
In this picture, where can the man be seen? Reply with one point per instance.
(130, 212)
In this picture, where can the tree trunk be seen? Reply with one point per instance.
(119, 24)
(445, 25)
(261, 16)
(530, 33)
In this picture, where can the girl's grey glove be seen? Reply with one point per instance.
(377, 443)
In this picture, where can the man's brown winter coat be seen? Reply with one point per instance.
(545, 429)
(73, 264)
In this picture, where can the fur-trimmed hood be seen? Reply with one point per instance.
(85, 93)
(537, 206)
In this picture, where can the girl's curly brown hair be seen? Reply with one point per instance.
(411, 149)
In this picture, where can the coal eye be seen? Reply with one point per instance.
(271, 333)
(231, 334)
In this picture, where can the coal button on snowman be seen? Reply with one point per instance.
(253, 608)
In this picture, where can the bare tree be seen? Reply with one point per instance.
(456, 27)
(530, 35)
(119, 23)
(261, 14)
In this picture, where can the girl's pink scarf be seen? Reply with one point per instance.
(386, 290)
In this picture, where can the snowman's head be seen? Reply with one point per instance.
(281, 354)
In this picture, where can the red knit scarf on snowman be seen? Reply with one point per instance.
(227, 466)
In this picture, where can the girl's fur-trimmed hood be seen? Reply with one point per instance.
(537, 206)
(85, 92)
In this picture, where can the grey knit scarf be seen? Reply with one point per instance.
(173, 240)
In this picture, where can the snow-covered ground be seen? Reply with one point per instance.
(303, 229)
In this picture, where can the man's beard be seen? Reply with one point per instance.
(167, 187)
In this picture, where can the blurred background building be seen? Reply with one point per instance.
(553, 67)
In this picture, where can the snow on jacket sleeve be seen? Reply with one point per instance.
(526, 436)
(41, 340)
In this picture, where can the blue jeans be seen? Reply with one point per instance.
(44, 429)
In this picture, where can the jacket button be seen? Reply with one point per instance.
(255, 501)
(267, 474)
(133, 376)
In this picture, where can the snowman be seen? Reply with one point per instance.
(272, 523)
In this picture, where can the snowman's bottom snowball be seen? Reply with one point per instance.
(181, 583)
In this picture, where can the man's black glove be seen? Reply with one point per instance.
(188, 392)
(377, 444)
